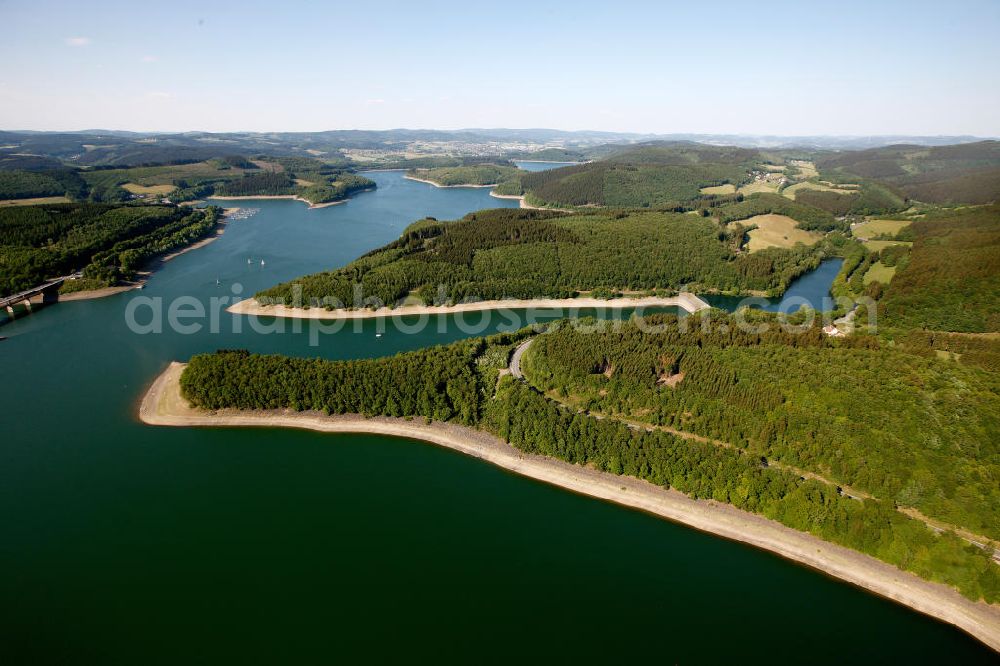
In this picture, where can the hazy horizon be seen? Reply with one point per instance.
(898, 68)
(87, 130)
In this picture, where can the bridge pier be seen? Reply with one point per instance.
(44, 293)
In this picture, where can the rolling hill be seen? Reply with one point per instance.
(965, 173)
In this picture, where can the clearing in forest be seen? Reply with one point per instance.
(34, 201)
(806, 169)
(873, 228)
(879, 272)
(777, 231)
(768, 186)
(156, 190)
(879, 245)
(727, 188)
(809, 185)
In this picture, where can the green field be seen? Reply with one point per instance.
(809, 218)
(879, 273)
(728, 188)
(155, 190)
(791, 190)
(776, 231)
(879, 245)
(806, 169)
(875, 228)
(34, 202)
(760, 187)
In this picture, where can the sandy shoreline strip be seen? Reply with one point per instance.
(444, 187)
(163, 405)
(293, 197)
(688, 302)
(523, 202)
(90, 294)
(520, 198)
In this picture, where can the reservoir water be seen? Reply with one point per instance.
(541, 166)
(129, 544)
(810, 290)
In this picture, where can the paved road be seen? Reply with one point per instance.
(515, 359)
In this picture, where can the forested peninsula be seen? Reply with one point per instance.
(602, 401)
(511, 253)
(476, 175)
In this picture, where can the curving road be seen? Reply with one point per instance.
(515, 359)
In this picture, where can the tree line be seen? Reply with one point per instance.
(901, 426)
(107, 242)
(50, 183)
(951, 280)
(458, 383)
(229, 175)
(808, 217)
(480, 174)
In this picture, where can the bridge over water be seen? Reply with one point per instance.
(45, 289)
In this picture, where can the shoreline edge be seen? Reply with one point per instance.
(686, 301)
(163, 405)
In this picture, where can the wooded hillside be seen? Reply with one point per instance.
(510, 253)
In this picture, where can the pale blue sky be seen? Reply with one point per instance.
(769, 67)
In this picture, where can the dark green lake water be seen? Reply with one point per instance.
(541, 166)
(130, 544)
(812, 290)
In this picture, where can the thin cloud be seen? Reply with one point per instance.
(374, 101)
(78, 41)
(158, 95)
(149, 58)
